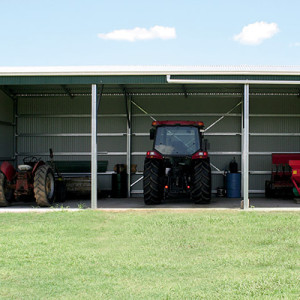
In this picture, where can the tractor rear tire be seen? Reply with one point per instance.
(201, 192)
(44, 186)
(153, 190)
(6, 194)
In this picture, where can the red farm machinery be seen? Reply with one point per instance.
(284, 177)
(295, 165)
(178, 164)
(32, 180)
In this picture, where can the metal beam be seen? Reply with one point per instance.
(126, 96)
(245, 148)
(100, 96)
(141, 109)
(94, 148)
(15, 140)
(158, 94)
(221, 118)
(242, 151)
(145, 114)
(106, 153)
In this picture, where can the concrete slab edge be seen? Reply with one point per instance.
(36, 210)
(47, 210)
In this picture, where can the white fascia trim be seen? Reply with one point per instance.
(204, 81)
(148, 70)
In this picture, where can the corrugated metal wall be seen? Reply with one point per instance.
(63, 124)
(207, 109)
(274, 127)
(6, 128)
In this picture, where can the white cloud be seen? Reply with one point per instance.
(297, 44)
(156, 32)
(256, 33)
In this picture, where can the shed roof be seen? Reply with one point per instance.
(148, 80)
(148, 70)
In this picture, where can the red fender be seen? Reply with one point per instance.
(8, 170)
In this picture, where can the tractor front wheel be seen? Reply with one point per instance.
(201, 192)
(6, 194)
(44, 186)
(152, 187)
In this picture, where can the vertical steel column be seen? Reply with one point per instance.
(245, 154)
(15, 129)
(242, 151)
(128, 158)
(94, 148)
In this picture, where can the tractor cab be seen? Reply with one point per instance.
(177, 138)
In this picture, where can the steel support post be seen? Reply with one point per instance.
(128, 158)
(242, 151)
(15, 141)
(94, 148)
(245, 148)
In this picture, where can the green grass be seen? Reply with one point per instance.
(150, 255)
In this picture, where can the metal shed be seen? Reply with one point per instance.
(104, 113)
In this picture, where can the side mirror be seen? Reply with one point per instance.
(152, 133)
(51, 153)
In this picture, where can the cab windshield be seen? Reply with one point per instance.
(177, 140)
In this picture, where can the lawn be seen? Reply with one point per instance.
(150, 255)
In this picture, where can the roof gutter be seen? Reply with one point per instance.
(147, 70)
(214, 81)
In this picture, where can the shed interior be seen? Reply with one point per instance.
(36, 117)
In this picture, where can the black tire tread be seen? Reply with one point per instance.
(201, 193)
(5, 199)
(40, 188)
(152, 186)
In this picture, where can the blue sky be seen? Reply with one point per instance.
(165, 32)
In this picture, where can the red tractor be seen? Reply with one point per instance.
(33, 179)
(178, 164)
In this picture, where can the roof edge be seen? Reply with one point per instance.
(148, 70)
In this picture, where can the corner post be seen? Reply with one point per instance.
(245, 148)
(242, 150)
(94, 148)
(15, 140)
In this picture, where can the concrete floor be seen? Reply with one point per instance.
(138, 203)
(135, 203)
